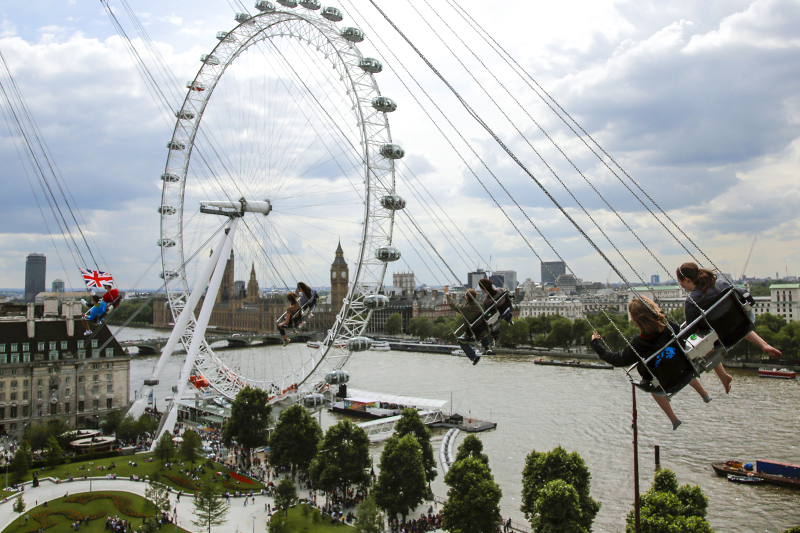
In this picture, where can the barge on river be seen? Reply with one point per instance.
(573, 363)
(772, 472)
(783, 373)
(373, 405)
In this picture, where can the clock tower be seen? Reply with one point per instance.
(340, 276)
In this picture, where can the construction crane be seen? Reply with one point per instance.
(746, 261)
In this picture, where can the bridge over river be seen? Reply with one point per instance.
(235, 340)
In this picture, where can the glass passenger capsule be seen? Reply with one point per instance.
(265, 6)
(314, 400)
(184, 114)
(176, 145)
(288, 3)
(334, 14)
(354, 35)
(359, 344)
(368, 64)
(167, 209)
(165, 243)
(381, 103)
(337, 377)
(310, 4)
(376, 301)
(392, 151)
(222, 35)
(170, 177)
(195, 86)
(387, 254)
(168, 275)
(393, 202)
(242, 18)
(209, 59)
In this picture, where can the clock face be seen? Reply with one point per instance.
(333, 274)
(344, 275)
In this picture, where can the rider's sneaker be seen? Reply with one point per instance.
(85, 333)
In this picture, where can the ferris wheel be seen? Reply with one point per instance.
(281, 147)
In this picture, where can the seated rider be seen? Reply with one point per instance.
(293, 317)
(308, 299)
(474, 324)
(654, 334)
(500, 300)
(94, 315)
(704, 288)
(111, 297)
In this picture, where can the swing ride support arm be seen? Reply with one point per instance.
(637, 519)
(200, 327)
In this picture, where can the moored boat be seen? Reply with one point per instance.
(380, 346)
(772, 472)
(573, 363)
(783, 373)
(750, 478)
(462, 353)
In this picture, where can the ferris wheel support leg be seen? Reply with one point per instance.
(200, 329)
(139, 405)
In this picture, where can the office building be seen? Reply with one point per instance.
(551, 270)
(58, 286)
(35, 271)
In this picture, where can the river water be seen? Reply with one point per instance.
(588, 411)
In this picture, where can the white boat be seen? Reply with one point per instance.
(313, 344)
(381, 346)
(462, 353)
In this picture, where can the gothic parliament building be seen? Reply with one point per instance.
(243, 309)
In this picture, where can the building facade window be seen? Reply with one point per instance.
(109, 352)
(15, 358)
(53, 345)
(109, 388)
(2, 347)
(14, 347)
(63, 345)
(13, 411)
(12, 397)
(3, 358)
(41, 346)
(54, 356)
(109, 403)
(109, 377)
(80, 406)
(95, 404)
(81, 354)
(26, 358)
(14, 384)
(66, 407)
(25, 411)
(26, 347)
(80, 344)
(94, 343)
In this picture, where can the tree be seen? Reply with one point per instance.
(410, 423)
(543, 467)
(112, 422)
(558, 509)
(54, 452)
(667, 507)
(285, 495)
(343, 460)
(165, 448)
(145, 425)
(394, 324)
(210, 508)
(368, 517)
(127, 429)
(472, 446)
(37, 436)
(560, 332)
(401, 483)
(580, 329)
(295, 440)
(250, 417)
(20, 464)
(157, 494)
(278, 523)
(420, 327)
(191, 446)
(473, 499)
(19, 505)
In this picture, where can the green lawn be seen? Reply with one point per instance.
(298, 524)
(144, 470)
(59, 514)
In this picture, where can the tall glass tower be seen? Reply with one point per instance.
(35, 270)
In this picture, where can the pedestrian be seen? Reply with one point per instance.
(245, 501)
(26, 519)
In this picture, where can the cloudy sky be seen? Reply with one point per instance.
(698, 102)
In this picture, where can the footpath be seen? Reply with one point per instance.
(241, 518)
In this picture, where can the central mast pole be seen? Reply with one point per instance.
(636, 464)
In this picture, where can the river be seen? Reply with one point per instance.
(588, 411)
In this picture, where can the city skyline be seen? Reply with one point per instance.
(659, 86)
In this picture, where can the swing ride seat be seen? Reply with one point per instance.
(301, 315)
(698, 347)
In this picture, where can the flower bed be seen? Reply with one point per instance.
(43, 517)
(182, 482)
(123, 504)
(239, 478)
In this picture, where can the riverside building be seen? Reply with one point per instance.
(50, 370)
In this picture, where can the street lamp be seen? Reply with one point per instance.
(91, 464)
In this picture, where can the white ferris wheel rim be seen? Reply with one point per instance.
(378, 172)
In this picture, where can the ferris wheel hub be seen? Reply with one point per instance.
(236, 207)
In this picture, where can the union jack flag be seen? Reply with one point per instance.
(97, 279)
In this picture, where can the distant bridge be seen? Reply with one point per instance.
(154, 346)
